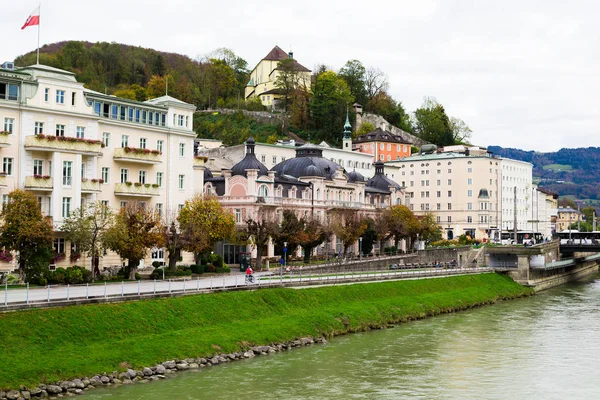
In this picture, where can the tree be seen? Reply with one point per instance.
(85, 227)
(402, 223)
(432, 124)
(369, 237)
(27, 232)
(203, 222)
(135, 229)
(158, 85)
(354, 72)
(348, 226)
(460, 131)
(428, 228)
(365, 128)
(375, 83)
(288, 232)
(329, 102)
(174, 243)
(288, 80)
(312, 234)
(259, 231)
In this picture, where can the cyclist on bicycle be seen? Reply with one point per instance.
(249, 276)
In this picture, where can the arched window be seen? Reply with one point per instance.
(360, 199)
(327, 195)
(398, 201)
(340, 195)
(318, 194)
(208, 189)
(263, 191)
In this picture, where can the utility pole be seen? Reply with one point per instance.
(594, 221)
(578, 218)
(515, 216)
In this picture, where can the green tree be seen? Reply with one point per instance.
(135, 229)
(460, 131)
(369, 237)
(288, 80)
(329, 102)
(364, 128)
(288, 231)
(432, 124)
(158, 85)
(402, 223)
(203, 222)
(25, 231)
(354, 72)
(85, 227)
(428, 228)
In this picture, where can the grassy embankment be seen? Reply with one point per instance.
(51, 344)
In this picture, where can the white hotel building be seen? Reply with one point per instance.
(70, 146)
(469, 190)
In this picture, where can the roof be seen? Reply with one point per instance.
(249, 162)
(309, 161)
(380, 181)
(166, 100)
(379, 135)
(278, 54)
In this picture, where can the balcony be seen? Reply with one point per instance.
(132, 189)
(344, 204)
(4, 139)
(38, 183)
(63, 144)
(91, 186)
(141, 156)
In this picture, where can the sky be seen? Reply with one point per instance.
(520, 73)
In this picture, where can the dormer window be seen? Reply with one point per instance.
(60, 97)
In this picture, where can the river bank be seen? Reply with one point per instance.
(60, 344)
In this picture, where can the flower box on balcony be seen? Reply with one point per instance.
(137, 190)
(64, 143)
(132, 154)
(38, 182)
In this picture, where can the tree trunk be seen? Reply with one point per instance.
(133, 266)
(173, 257)
(258, 258)
(21, 268)
(307, 251)
(95, 266)
(198, 258)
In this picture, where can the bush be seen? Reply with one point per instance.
(58, 276)
(210, 268)
(156, 264)
(216, 260)
(224, 270)
(197, 269)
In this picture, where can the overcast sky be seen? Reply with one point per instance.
(520, 73)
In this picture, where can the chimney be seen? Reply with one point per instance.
(291, 54)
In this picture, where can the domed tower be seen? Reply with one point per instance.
(309, 161)
(249, 162)
(380, 181)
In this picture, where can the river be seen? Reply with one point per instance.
(543, 347)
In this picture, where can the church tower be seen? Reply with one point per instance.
(347, 141)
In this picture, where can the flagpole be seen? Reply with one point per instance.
(40, 20)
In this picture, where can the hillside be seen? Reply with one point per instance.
(569, 172)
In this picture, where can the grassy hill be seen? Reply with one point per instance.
(568, 172)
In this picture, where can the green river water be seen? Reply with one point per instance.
(544, 347)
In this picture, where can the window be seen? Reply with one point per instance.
(389, 147)
(263, 191)
(80, 132)
(439, 182)
(123, 204)
(438, 219)
(159, 209)
(238, 215)
(60, 97)
(46, 95)
(181, 149)
(439, 193)
(469, 193)
(449, 206)
(59, 245)
(106, 138)
(142, 143)
(106, 174)
(124, 140)
(412, 183)
(274, 159)
(449, 193)
(263, 158)
(469, 219)
(159, 145)
(159, 179)
(470, 169)
(73, 96)
(39, 128)
(67, 173)
(38, 167)
(66, 207)
(449, 219)
(9, 124)
(469, 206)
(142, 177)
(181, 182)
(380, 146)
(449, 171)
(438, 206)
(60, 130)
(469, 181)
(124, 175)
(389, 158)
(449, 182)
(180, 119)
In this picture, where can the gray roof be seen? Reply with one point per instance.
(309, 161)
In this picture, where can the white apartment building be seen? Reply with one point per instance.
(469, 190)
(70, 146)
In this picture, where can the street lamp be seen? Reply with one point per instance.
(284, 261)
(360, 248)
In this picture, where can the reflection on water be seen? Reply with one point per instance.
(545, 347)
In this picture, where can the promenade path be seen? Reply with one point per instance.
(61, 295)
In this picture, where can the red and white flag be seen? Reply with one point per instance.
(33, 19)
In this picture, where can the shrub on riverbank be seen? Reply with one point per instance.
(61, 343)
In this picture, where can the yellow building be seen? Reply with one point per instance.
(265, 73)
(566, 217)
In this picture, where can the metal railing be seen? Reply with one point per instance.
(60, 295)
